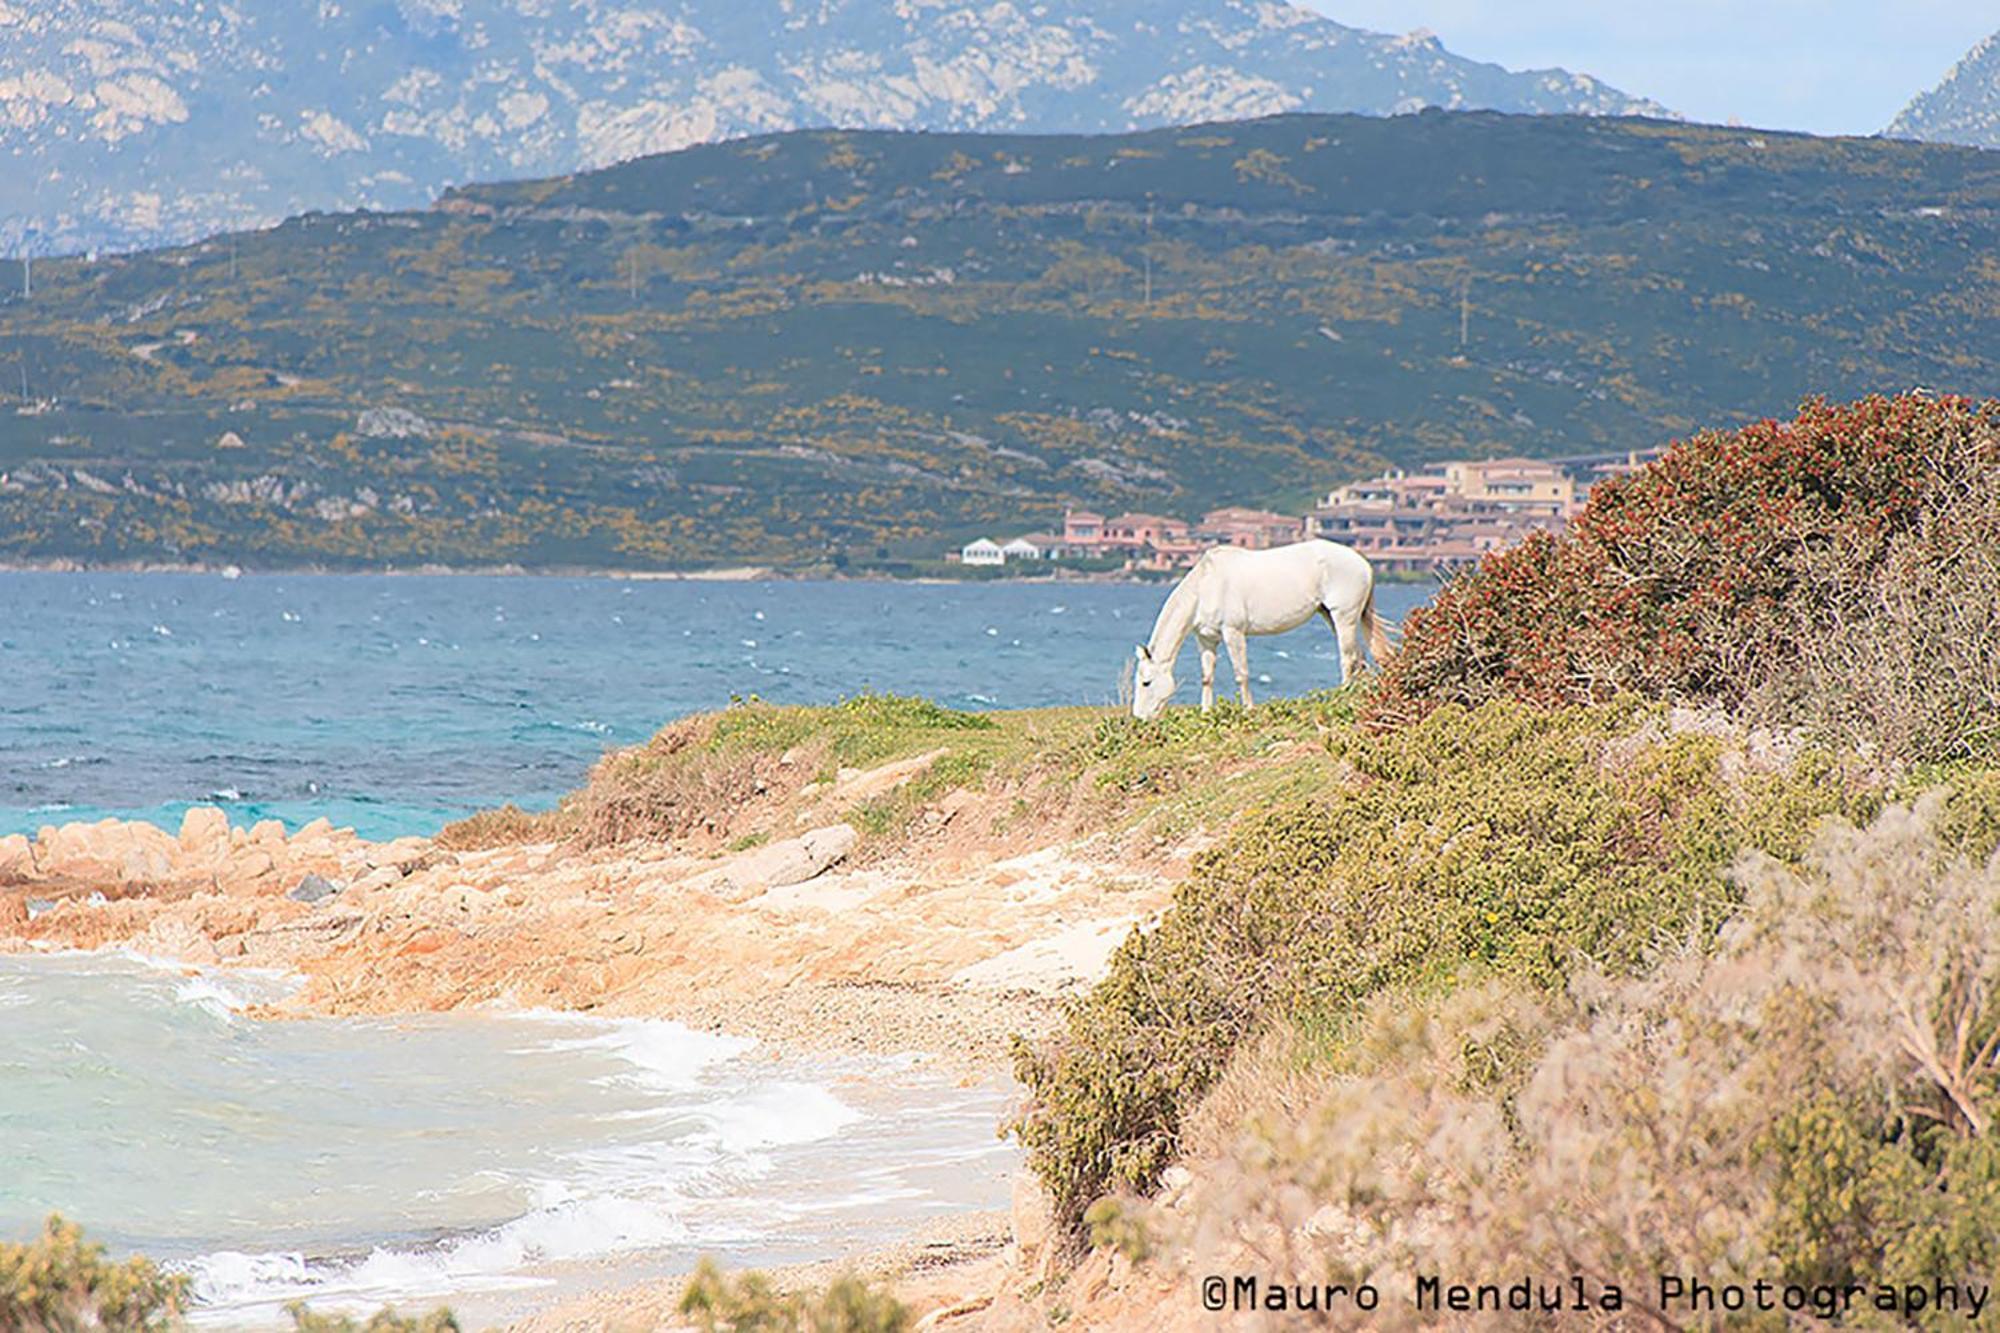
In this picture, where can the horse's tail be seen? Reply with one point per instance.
(1377, 630)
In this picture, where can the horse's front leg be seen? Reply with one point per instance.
(1207, 646)
(1239, 659)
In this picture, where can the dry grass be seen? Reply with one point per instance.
(678, 787)
(1902, 660)
(509, 826)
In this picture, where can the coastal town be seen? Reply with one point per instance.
(1414, 523)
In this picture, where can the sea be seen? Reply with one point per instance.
(471, 1157)
(394, 704)
(430, 1160)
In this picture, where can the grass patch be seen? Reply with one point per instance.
(730, 781)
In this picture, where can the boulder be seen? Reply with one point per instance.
(204, 832)
(404, 854)
(267, 833)
(793, 861)
(313, 888)
(248, 872)
(145, 864)
(17, 858)
(108, 852)
(381, 877)
(319, 830)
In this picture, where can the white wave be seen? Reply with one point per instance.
(230, 1285)
(774, 1116)
(662, 1054)
(212, 995)
(216, 990)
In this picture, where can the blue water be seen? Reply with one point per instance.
(396, 703)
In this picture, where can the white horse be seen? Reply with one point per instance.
(1232, 593)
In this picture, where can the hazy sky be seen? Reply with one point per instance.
(1827, 66)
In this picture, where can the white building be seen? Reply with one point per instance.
(985, 551)
(1021, 548)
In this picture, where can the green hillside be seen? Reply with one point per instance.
(860, 346)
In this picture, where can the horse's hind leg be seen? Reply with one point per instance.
(1239, 660)
(1346, 629)
(1207, 646)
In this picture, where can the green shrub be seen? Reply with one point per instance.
(751, 1304)
(1703, 574)
(382, 1321)
(1506, 840)
(61, 1281)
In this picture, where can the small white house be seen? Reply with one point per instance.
(1022, 548)
(985, 551)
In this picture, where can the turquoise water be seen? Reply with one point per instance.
(393, 703)
(352, 1162)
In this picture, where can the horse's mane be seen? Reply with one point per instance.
(1176, 615)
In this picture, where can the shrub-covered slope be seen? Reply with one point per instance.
(1561, 971)
(1502, 841)
(831, 347)
(1838, 568)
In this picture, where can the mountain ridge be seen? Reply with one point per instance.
(262, 110)
(1964, 107)
(834, 346)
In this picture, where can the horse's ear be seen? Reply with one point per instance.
(1141, 653)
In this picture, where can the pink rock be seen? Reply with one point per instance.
(17, 857)
(204, 831)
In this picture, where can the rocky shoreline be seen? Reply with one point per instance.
(945, 950)
(784, 942)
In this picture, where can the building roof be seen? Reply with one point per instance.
(1528, 466)
(1240, 514)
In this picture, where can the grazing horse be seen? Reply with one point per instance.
(1232, 593)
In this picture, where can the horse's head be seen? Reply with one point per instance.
(1152, 685)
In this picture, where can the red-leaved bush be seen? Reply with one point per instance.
(1685, 580)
